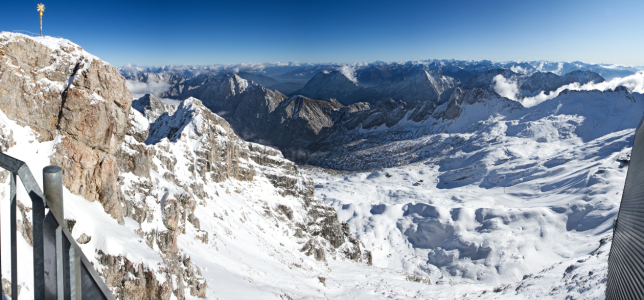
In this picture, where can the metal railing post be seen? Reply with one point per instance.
(52, 181)
(61, 270)
(14, 244)
(38, 213)
(76, 291)
(52, 184)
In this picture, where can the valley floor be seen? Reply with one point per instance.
(534, 225)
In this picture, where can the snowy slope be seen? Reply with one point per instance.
(478, 197)
(241, 238)
(494, 193)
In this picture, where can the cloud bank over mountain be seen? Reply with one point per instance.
(138, 88)
(505, 87)
(510, 89)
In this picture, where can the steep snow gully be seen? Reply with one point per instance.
(473, 196)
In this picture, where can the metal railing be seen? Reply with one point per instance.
(625, 278)
(61, 270)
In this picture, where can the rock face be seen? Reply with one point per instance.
(194, 148)
(6, 138)
(286, 88)
(225, 94)
(151, 107)
(221, 155)
(53, 85)
(424, 86)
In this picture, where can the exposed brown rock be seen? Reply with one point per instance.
(84, 99)
(6, 138)
(132, 281)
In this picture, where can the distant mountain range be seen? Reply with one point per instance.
(300, 108)
(368, 74)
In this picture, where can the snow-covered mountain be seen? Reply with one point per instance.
(369, 74)
(330, 85)
(485, 190)
(423, 86)
(426, 86)
(151, 107)
(179, 208)
(263, 115)
(530, 85)
(467, 193)
(482, 189)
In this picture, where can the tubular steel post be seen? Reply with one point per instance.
(52, 185)
(61, 270)
(76, 292)
(38, 216)
(14, 231)
(52, 182)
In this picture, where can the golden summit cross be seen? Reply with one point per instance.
(41, 9)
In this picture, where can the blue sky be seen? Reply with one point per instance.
(235, 31)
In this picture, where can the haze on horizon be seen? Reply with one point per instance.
(228, 32)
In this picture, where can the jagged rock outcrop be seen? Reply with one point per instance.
(221, 155)
(6, 138)
(225, 94)
(151, 107)
(262, 115)
(53, 85)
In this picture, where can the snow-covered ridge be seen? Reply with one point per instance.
(198, 212)
(54, 44)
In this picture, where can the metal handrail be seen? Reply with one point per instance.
(50, 279)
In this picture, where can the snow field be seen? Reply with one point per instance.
(507, 196)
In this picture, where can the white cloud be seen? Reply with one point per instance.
(519, 69)
(256, 67)
(138, 89)
(349, 71)
(170, 101)
(633, 83)
(504, 87)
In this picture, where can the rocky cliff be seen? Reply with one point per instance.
(180, 182)
(55, 87)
